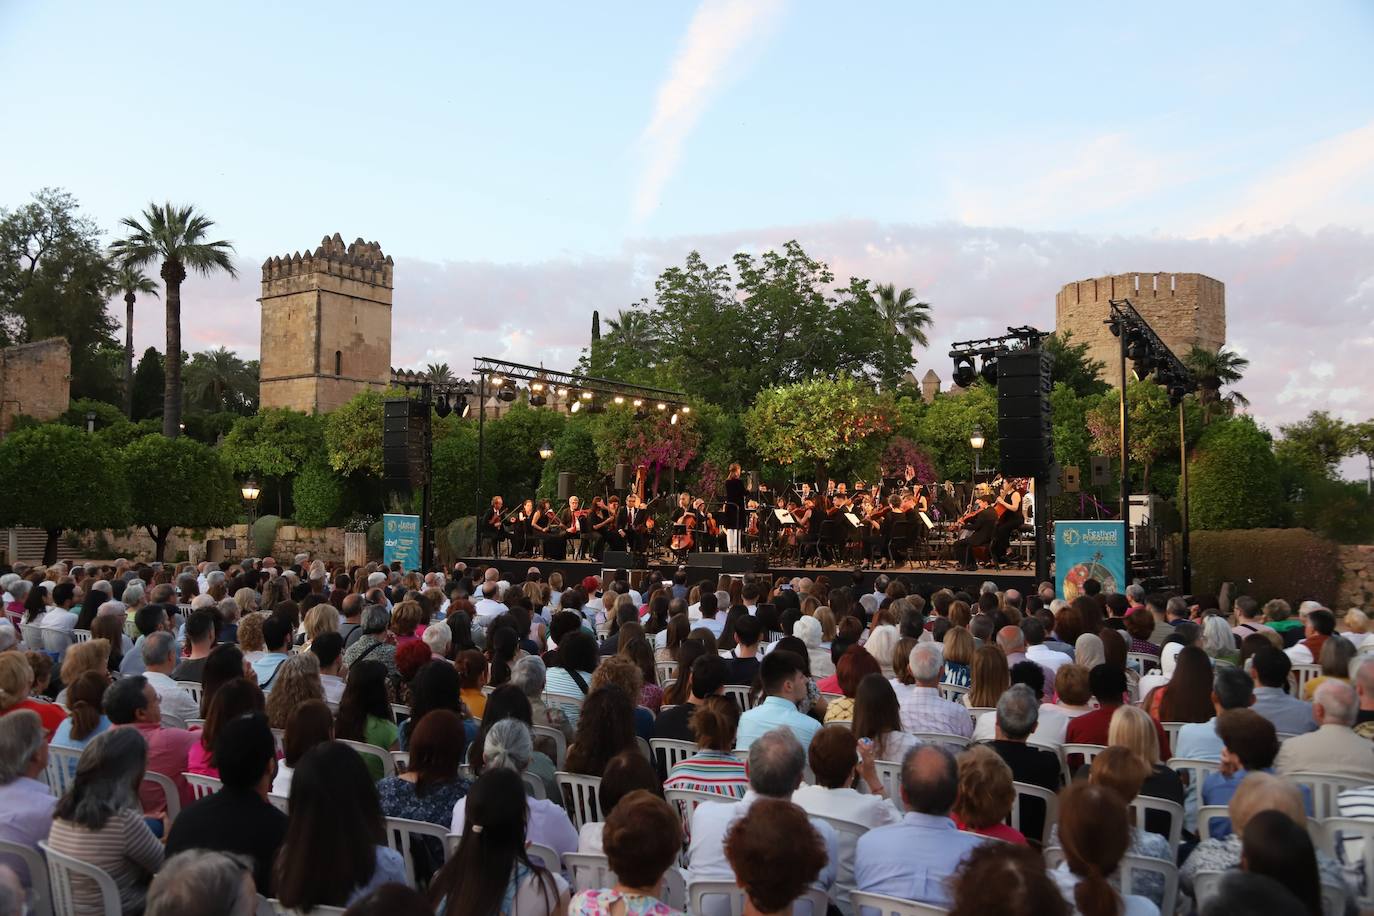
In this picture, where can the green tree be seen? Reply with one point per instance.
(439, 373)
(1215, 370)
(631, 351)
(1233, 478)
(944, 428)
(177, 482)
(353, 433)
(129, 283)
(512, 448)
(596, 325)
(1317, 442)
(218, 380)
(317, 495)
(902, 313)
(1069, 414)
(1153, 426)
(274, 444)
(1073, 367)
(574, 452)
(455, 474)
(176, 236)
(53, 274)
(1360, 441)
(54, 479)
(817, 421)
(149, 383)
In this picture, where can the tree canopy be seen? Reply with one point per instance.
(177, 482)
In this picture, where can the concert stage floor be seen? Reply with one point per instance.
(705, 565)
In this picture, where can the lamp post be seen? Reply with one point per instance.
(250, 493)
(976, 440)
(90, 421)
(546, 450)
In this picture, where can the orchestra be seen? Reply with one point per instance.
(898, 519)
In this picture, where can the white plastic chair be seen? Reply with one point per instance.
(1144, 661)
(687, 800)
(953, 692)
(740, 693)
(1350, 840)
(669, 752)
(55, 641)
(644, 748)
(560, 742)
(40, 889)
(1193, 773)
(369, 750)
(588, 871)
(534, 786)
(1301, 674)
(400, 711)
(892, 906)
(61, 771)
(1087, 751)
(400, 833)
(81, 635)
(401, 759)
(974, 712)
(851, 832)
(950, 740)
(64, 871)
(169, 792)
(812, 903)
(1325, 787)
(201, 785)
(32, 635)
(1050, 799)
(1130, 866)
(194, 688)
(544, 855)
(890, 774)
(665, 671)
(580, 797)
(1142, 804)
(172, 721)
(1171, 730)
(280, 802)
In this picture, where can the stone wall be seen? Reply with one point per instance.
(1184, 309)
(35, 380)
(1357, 579)
(325, 543)
(326, 325)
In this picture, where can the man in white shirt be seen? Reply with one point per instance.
(60, 615)
(489, 606)
(328, 648)
(710, 615)
(1034, 633)
(776, 762)
(159, 659)
(750, 596)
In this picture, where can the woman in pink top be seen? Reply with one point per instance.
(986, 795)
(235, 698)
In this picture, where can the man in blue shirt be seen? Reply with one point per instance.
(1231, 689)
(784, 682)
(915, 858)
(277, 636)
(1291, 716)
(709, 620)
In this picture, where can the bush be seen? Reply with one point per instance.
(1289, 563)
(459, 539)
(317, 495)
(374, 540)
(1233, 478)
(265, 534)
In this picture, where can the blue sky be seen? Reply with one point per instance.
(526, 164)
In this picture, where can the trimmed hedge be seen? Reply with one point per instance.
(265, 534)
(317, 496)
(1233, 478)
(1289, 563)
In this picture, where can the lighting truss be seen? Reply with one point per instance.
(553, 379)
(1151, 355)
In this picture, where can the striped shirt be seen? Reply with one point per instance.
(558, 680)
(125, 848)
(710, 771)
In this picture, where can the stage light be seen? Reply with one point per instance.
(507, 394)
(576, 406)
(686, 409)
(537, 400)
(639, 402)
(442, 406)
(989, 372)
(674, 419)
(963, 371)
(587, 395)
(465, 409)
(497, 381)
(1115, 328)
(1137, 348)
(620, 399)
(562, 391)
(662, 406)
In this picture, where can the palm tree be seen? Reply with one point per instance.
(630, 329)
(439, 373)
(1214, 370)
(128, 281)
(902, 313)
(176, 236)
(218, 380)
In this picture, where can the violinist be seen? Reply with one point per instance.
(493, 525)
(1010, 518)
(573, 520)
(521, 527)
(814, 513)
(873, 531)
(599, 519)
(548, 530)
(711, 537)
(614, 532)
(981, 520)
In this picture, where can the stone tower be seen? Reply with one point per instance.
(1184, 309)
(326, 325)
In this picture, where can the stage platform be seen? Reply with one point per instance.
(709, 565)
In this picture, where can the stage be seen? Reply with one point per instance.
(701, 566)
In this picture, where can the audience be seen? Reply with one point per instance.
(1334, 747)
(923, 709)
(1277, 848)
(784, 685)
(1008, 880)
(25, 798)
(199, 882)
(775, 855)
(641, 838)
(626, 772)
(131, 701)
(986, 795)
(310, 724)
(1094, 833)
(430, 787)
(704, 677)
(1270, 668)
(713, 768)
(365, 712)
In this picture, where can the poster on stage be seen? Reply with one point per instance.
(1086, 550)
(401, 540)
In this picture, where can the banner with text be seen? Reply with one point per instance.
(1088, 550)
(401, 541)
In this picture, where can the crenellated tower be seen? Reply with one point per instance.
(326, 325)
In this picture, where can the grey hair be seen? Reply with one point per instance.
(376, 579)
(1058, 605)
(808, 630)
(1135, 592)
(20, 589)
(926, 661)
(376, 618)
(1337, 699)
(1176, 605)
(228, 609)
(112, 609)
(102, 585)
(133, 593)
(21, 737)
(8, 637)
(1217, 636)
(508, 745)
(438, 639)
(9, 579)
(1017, 712)
(529, 674)
(107, 779)
(199, 882)
(776, 762)
(988, 588)
(215, 578)
(158, 647)
(200, 602)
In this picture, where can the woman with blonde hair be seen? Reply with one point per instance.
(826, 618)
(251, 640)
(91, 655)
(247, 600)
(990, 678)
(297, 681)
(322, 618)
(959, 649)
(1131, 727)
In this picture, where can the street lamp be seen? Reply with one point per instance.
(976, 440)
(250, 493)
(546, 450)
(90, 421)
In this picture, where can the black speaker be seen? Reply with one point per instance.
(622, 476)
(713, 561)
(1101, 471)
(1070, 475)
(565, 485)
(1025, 431)
(404, 423)
(617, 559)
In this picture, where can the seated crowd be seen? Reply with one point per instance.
(226, 738)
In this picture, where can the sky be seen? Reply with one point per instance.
(526, 164)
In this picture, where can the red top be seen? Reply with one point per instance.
(51, 714)
(996, 831)
(1091, 728)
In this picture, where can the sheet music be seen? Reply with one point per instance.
(852, 519)
(784, 516)
(926, 518)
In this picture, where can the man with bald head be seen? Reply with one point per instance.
(1012, 642)
(915, 858)
(1334, 747)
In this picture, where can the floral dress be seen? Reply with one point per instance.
(599, 903)
(399, 799)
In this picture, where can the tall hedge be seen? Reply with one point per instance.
(1289, 563)
(317, 494)
(1233, 478)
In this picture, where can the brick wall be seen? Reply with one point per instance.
(35, 380)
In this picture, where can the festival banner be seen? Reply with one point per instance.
(401, 541)
(1088, 550)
